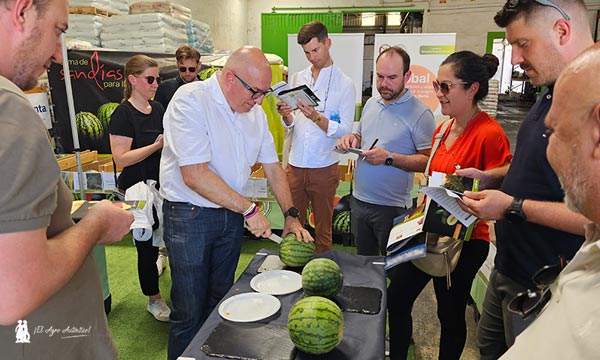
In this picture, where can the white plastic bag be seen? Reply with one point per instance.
(142, 218)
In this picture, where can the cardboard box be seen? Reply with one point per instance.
(257, 186)
(346, 171)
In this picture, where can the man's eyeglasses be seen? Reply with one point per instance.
(150, 79)
(531, 301)
(445, 86)
(256, 94)
(511, 4)
(190, 69)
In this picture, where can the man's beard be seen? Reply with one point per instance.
(392, 94)
(25, 76)
(575, 194)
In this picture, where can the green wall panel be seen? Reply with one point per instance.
(491, 36)
(275, 27)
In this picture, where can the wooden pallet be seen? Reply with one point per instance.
(90, 10)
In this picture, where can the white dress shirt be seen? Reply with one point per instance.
(311, 146)
(200, 127)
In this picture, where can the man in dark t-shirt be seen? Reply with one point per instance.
(188, 65)
(534, 227)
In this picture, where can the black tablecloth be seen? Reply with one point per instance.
(363, 333)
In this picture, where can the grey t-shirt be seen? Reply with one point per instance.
(404, 127)
(71, 324)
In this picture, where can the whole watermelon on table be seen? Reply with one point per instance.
(295, 253)
(89, 125)
(322, 277)
(105, 111)
(315, 325)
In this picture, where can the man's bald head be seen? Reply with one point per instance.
(246, 73)
(574, 122)
(576, 81)
(249, 61)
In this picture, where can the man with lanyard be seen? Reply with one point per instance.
(534, 227)
(312, 169)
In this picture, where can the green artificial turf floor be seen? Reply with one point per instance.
(137, 335)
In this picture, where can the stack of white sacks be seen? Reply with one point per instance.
(155, 32)
(199, 36)
(152, 26)
(119, 7)
(85, 28)
(175, 10)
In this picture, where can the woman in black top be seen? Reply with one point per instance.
(136, 142)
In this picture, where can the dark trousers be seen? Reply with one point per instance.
(498, 327)
(371, 224)
(407, 282)
(146, 264)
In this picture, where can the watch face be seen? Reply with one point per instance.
(514, 217)
(389, 161)
(514, 213)
(292, 212)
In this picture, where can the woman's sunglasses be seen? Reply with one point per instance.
(150, 79)
(531, 301)
(190, 69)
(444, 86)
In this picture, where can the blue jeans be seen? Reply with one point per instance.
(204, 248)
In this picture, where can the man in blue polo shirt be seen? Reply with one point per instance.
(395, 130)
(534, 226)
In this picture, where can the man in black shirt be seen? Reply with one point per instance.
(534, 227)
(188, 64)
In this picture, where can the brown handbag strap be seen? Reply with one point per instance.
(436, 143)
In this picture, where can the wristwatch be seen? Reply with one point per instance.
(292, 212)
(514, 214)
(390, 159)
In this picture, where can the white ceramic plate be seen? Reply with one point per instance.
(277, 282)
(248, 307)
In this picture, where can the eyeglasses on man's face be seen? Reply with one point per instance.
(150, 79)
(512, 4)
(190, 69)
(445, 86)
(256, 94)
(531, 301)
